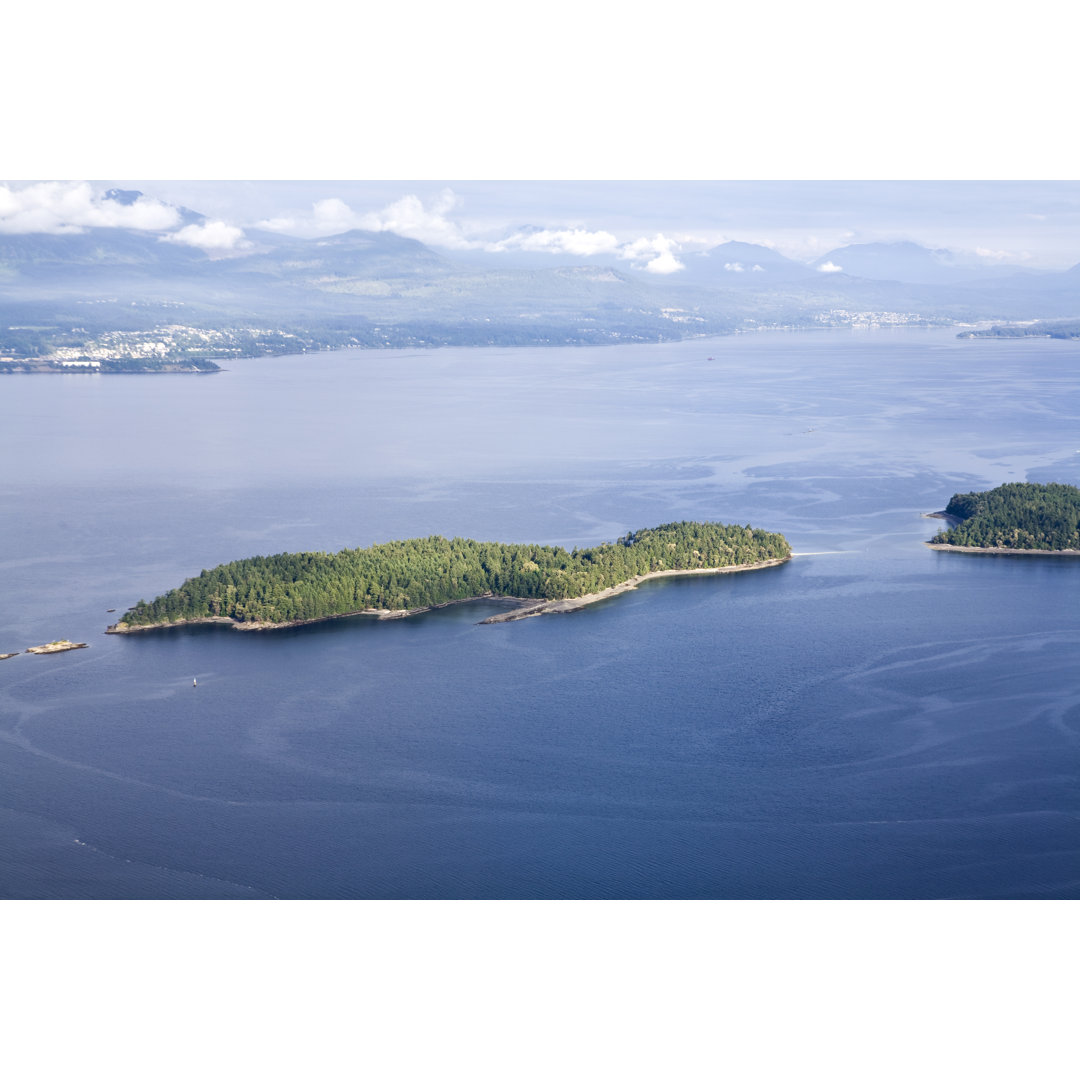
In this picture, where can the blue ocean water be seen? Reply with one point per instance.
(873, 719)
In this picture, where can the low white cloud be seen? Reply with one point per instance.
(292, 226)
(330, 216)
(583, 242)
(698, 242)
(830, 268)
(327, 218)
(664, 263)
(433, 223)
(71, 207)
(430, 225)
(407, 216)
(990, 255)
(655, 254)
(735, 268)
(211, 236)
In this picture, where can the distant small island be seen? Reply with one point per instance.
(1065, 329)
(63, 645)
(405, 577)
(1013, 519)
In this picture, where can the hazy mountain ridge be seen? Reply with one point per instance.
(379, 288)
(737, 264)
(60, 256)
(904, 261)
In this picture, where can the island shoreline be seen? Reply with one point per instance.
(953, 521)
(1002, 550)
(530, 608)
(525, 607)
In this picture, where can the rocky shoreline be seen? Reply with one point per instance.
(530, 608)
(374, 613)
(524, 608)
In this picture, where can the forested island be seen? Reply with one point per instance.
(406, 576)
(1031, 518)
(1066, 329)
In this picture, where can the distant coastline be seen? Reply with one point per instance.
(523, 608)
(44, 366)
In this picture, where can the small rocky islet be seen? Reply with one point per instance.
(62, 645)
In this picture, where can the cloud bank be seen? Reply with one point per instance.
(559, 242)
(657, 254)
(215, 237)
(57, 207)
(406, 217)
(433, 224)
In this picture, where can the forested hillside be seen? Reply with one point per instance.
(424, 572)
(1024, 516)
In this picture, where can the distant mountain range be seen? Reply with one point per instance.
(377, 288)
(736, 264)
(907, 262)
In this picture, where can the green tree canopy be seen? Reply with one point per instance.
(419, 573)
(1028, 517)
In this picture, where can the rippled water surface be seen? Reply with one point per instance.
(873, 719)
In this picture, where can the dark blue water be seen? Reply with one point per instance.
(877, 720)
